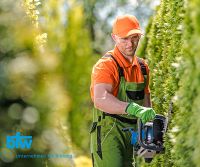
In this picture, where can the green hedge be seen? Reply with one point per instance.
(173, 53)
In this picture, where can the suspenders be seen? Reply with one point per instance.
(120, 69)
(135, 95)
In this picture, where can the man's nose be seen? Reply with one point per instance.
(129, 43)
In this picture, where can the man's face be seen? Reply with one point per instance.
(127, 45)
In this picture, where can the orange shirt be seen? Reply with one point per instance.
(106, 71)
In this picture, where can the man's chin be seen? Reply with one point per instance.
(132, 53)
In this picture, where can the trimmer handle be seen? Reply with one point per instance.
(158, 121)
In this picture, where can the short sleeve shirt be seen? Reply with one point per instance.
(106, 71)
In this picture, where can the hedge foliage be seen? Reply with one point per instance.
(172, 49)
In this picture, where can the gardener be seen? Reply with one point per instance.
(120, 92)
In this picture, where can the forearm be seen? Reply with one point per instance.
(106, 102)
(110, 104)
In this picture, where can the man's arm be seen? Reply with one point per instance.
(147, 100)
(105, 101)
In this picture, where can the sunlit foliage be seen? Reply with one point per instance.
(173, 52)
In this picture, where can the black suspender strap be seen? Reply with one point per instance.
(120, 69)
(99, 151)
(122, 119)
(142, 66)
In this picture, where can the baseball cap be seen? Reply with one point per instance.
(126, 25)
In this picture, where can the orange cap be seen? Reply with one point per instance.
(126, 25)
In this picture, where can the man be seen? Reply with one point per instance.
(119, 88)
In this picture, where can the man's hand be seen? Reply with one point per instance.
(144, 113)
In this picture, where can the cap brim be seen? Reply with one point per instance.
(131, 32)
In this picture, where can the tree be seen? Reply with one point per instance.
(33, 99)
(77, 64)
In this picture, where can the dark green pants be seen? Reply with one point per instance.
(110, 146)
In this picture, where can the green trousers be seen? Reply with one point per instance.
(110, 146)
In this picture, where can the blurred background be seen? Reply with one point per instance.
(47, 50)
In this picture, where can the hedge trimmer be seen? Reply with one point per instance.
(148, 139)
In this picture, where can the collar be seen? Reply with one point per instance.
(122, 60)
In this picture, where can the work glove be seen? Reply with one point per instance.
(144, 113)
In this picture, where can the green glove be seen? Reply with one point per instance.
(144, 113)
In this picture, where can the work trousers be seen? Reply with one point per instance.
(110, 145)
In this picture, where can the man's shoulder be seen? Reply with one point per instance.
(142, 60)
(106, 60)
(143, 65)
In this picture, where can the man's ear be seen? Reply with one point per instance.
(113, 37)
